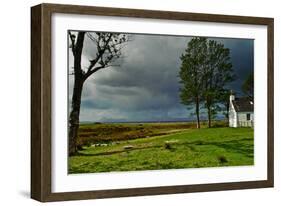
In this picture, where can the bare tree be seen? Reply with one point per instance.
(107, 48)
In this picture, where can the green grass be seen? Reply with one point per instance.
(171, 146)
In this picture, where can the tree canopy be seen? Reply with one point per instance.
(205, 71)
(248, 85)
(191, 74)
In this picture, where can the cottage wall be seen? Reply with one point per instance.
(242, 119)
(238, 118)
(232, 116)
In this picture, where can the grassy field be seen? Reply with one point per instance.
(151, 146)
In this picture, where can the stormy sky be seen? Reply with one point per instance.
(145, 87)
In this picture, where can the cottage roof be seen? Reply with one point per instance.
(243, 104)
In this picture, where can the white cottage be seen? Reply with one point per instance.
(241, 112)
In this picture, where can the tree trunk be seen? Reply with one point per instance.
(74, 116)
(209, 117)
(197, 112)
(76, 96)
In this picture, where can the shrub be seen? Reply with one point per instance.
(80, 147)
(167, 146)
(192, 148)
(88, 144)
(199, 142)
(222, 159)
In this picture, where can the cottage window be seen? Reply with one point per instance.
(248, 117)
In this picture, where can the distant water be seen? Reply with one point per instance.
(152, 121)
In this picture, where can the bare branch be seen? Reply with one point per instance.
(92, 38)
(108, 47)
(99, 56)
(89, 73)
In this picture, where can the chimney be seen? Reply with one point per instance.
(231, 97)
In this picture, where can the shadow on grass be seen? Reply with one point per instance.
(237, 146)
(117, 151)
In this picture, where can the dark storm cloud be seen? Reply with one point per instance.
(146, 85)
(242, 57)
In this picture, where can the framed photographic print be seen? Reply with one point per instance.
(130, 102)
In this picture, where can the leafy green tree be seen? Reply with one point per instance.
(205, 71)
(191, 71)
(248, 86)
(106, 49)
(224, 100)
(217, 74)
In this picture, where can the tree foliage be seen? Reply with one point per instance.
(248, 86)
(218, 73)
(205, 71)
(191, 74)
